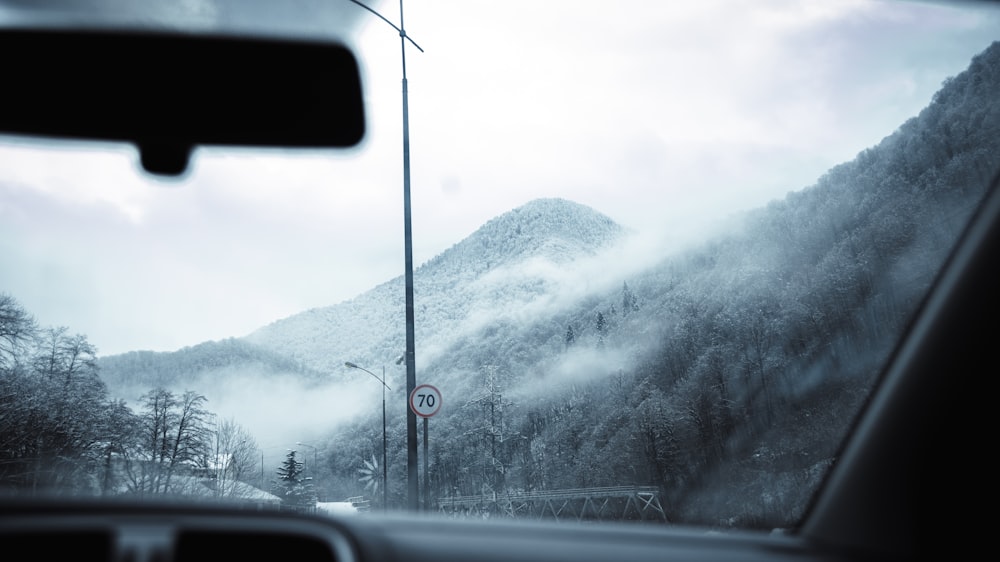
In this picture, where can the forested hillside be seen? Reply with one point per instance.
(726, 376)
(133, 373)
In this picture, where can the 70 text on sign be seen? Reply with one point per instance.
(425, 400)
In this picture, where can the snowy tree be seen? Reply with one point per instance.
(629, 302)
(175, 439)
(55, 418)
(602, 329)
(570, 336)
(17, 328)
(293, 486)
(118, 433)
(233, 457)
(74, 396)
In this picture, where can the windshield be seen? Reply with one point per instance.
(661, 254)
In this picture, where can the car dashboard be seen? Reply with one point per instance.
(109, 532)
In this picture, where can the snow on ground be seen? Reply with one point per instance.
(336, 508)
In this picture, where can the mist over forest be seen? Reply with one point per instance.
(724, 375)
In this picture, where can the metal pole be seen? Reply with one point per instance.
(427, 480)
(385, 470)
(411, 369)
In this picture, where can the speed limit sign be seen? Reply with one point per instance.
(425, 400)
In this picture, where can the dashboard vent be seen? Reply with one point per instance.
(197, 546)
(82, 546)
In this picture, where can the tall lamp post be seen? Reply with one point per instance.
(385, 387)
(411, 368)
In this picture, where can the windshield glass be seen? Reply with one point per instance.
(661, 254)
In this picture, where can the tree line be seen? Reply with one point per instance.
(62, 433)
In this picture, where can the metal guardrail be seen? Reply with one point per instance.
(640, 502)
(360, 503)
(569, 493)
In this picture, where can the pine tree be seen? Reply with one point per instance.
(629, 302)
(293, 487)
(290, 470)
(570, 336)
(602, 329)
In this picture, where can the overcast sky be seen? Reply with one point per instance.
(666, 116)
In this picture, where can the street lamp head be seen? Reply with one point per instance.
(381, 380)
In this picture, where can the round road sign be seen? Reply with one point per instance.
(425, 400)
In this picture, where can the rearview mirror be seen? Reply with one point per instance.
(170, 92)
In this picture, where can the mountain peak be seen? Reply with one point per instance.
(555, 229)
(483, 270)
(556, 217)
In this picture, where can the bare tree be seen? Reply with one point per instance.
(234, 457)
(176, 437)
(70, 410)
(17, 329)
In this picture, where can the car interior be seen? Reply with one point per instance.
(899, 489)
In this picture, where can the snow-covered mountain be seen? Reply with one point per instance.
(521, 260)
(134, 373)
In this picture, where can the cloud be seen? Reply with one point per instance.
(580, 365)
(667, 116)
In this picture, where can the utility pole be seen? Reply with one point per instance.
(413, 488)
